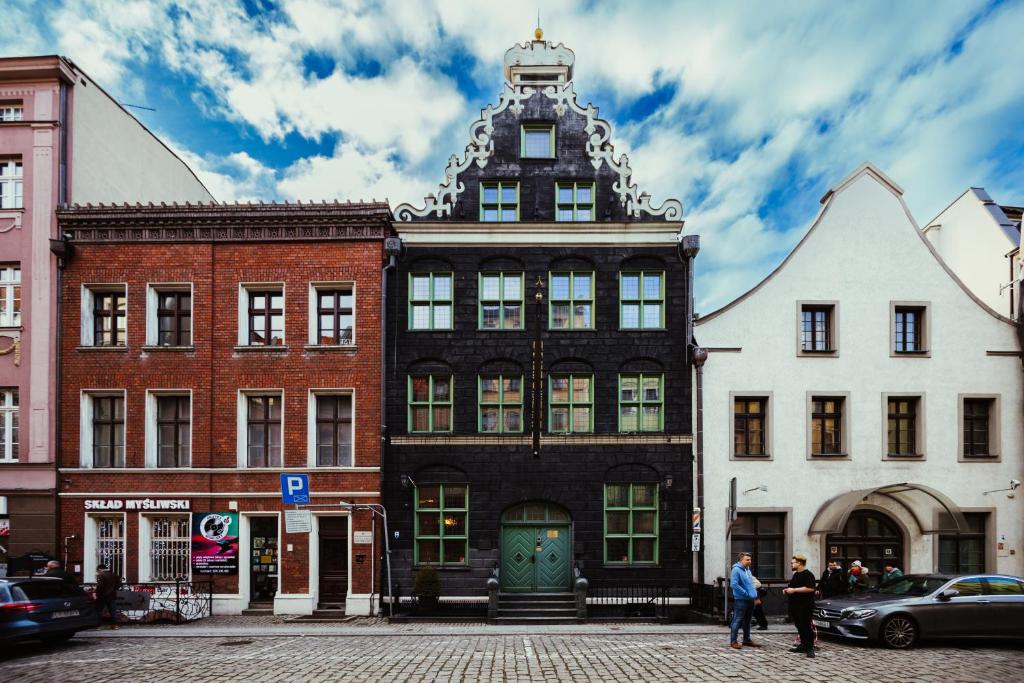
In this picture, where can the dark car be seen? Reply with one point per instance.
(901, 611)
(48, 609)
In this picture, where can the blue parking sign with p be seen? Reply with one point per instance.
(295, 489)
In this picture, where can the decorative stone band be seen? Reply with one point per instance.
(546, 440)
(481, 148)
(225, 222)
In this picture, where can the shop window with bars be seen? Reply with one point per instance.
(266, 317)
(642, 300)
(8, 424)
(430, 403)
(903, 420)
(173, 431)
(11, 184)
(575, 201)
(641, 402)
(442, 524)
(501, 404)
(174, 318)
(107, 431)
(827, 425)
(977, 412)
(110, 543)
(631, 523)
(333, 430)
(170, 549)
(909, 329)
(501, 301)
(109, 318)
(499, 202)
(263, 430)
(816, 329)
(750, 426)
(763, 535)
(335, 316)
(570, 403)
(571, 301)
(10, 295)
(430, 301)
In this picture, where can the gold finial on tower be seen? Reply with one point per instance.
(538, 33)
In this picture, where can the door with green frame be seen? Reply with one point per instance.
(536, 549)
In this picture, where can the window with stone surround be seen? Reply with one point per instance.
(11, 184)
(12, 111)
(333, 429)
(263, 429)
(10, 295)
(107, 412)
(170, 547)
(8, 424)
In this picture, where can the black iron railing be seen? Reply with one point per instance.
(631, 601)
(176, 601)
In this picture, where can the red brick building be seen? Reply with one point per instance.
(207, 349)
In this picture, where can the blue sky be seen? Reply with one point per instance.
(747, 112)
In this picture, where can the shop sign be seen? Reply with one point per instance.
(215, 543)
(362, 537)
(137, 504)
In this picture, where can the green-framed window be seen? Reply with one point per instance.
(537, 141)
(430, 301)
(571, 301)
(499, 201)
(575, 201)
(442, 524)
(501, 301)
(430, 403)
(631, 523)
(501, 404)
(570, 403)
(641, 402)
(642, 300)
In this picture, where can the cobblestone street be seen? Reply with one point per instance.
(372, 652)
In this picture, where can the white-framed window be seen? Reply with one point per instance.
(169, 428)
(11, 178)
(10, 295)
(169, 314)
(101, 442)
(8, 424)
(260, 428)
(331, 438)
(261, 314)
(108, 544)
(166, 547)
(332, 313)
(12, 111)
(104, 315)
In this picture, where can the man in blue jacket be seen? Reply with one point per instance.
(743, 594)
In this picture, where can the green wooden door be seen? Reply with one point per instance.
(553, 565)
(517, 558)
(535, 558)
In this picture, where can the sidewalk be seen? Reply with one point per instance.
(270, 627)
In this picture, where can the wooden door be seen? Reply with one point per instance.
(333, 560)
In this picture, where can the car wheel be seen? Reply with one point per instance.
(899, 632)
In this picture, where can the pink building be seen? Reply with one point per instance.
(63, 140)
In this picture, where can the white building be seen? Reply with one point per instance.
(980, 241)
(865, 401)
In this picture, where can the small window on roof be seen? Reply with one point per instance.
(538, 141)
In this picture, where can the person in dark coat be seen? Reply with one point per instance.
(759, 615)
(107, 584)
(801, 603)
(834, 581)
(54, 569)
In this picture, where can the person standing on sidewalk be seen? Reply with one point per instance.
(743, 594)
(759, 615)
(801, 602)
(833, 582)
(106, 592)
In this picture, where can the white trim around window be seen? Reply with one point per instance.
(9, 422)
(85, 425)
(151, 424)
(174, 542)
(10, 295)
(89, 292)
(90, 543)
(244, 290)
(153, 290)
(313, 318)
(311, 415)
(242, 423)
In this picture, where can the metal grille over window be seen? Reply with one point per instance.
(171, 549)
(11, 178)
(10, 296)
(8, 425)
(110, 544)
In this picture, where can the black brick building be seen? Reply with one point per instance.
(538, 390)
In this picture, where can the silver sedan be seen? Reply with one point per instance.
(904, 610)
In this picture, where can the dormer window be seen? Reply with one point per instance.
(537, 141)
(499, 202)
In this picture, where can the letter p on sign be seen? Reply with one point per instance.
(295, 489)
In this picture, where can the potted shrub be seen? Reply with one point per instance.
(427, 588)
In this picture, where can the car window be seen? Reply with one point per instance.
(5, 595)
(911, 585)
(968, 587)
(998, 585)
(45, 590)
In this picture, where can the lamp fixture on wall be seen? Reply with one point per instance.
(762, 487)
(1014, 485)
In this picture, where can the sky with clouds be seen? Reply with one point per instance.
(747, 112)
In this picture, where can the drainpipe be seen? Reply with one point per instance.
(392, 249)
(63, 249)
(689, 247)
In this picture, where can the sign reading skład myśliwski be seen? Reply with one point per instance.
(215, 542)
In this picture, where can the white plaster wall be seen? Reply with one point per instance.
(974, 246)
(115, 159)
(864, 252)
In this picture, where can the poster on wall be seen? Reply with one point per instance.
(215, 543)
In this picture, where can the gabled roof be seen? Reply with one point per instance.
(868, 169)
(1009, 224)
